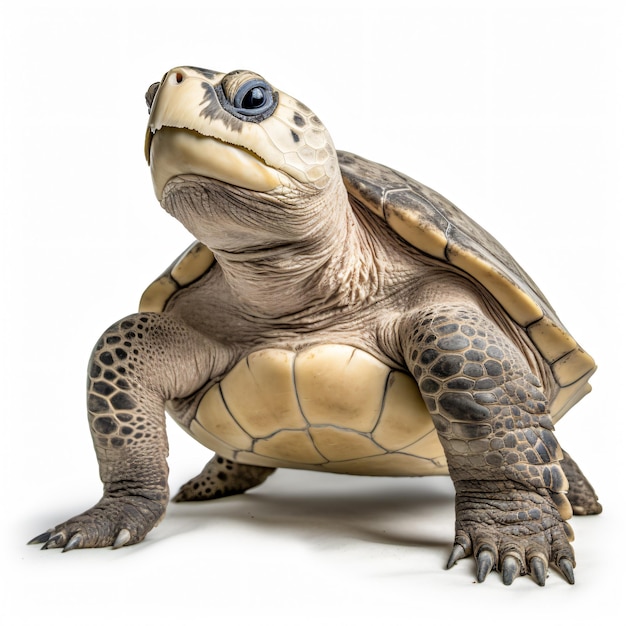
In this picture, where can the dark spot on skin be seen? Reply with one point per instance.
(96, 404)
(105, 425)
(462, 406)
(474, 355)
(121, 354)
(113, 339)
(469, 430)
(534, 514)
(104, 389)
(479, 344)
(95, 370)
(468, 330)
(117, 442)
(485, 397)
(510, 440)
(428, 385)
(461, 383)
(106, 358)
(546, 422)
(447, 329)
(125, 325)
(473, 370)
(126, 430)
(512, 458)
(495, 353)
(124, 417)
(122, 400)
(550, 441)
(531, 456)
(413, 355)
(123, 384)
(557, 479)
(454, 343)
(429, 356)
(533, 380)
(109, 375)
(494, 459)
(222, 476)
(447, 365)
(120, 370)
(295, 136)
(298, 120)
(485, 384)
(493, 368)
(531, 436)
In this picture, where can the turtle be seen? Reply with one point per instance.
(333, 315)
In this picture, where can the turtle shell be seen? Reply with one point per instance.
(430, 223)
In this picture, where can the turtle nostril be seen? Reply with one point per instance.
(179, 77)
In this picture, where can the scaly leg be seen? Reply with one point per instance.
(493, 422)
(222, 477)
(137, 365)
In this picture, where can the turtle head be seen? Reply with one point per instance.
(237, 129)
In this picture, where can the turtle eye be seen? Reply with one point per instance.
(253, 98)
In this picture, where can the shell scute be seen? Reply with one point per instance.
(434, 226)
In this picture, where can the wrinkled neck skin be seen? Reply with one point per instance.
(284, 258)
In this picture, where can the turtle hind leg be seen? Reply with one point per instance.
(581, 495)
(220, 478)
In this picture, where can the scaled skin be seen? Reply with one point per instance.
(299, 265)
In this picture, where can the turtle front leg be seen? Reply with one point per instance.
(492, 419)
(137, 365)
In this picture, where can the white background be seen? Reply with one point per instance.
(513, 110)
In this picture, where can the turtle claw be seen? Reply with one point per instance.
(43, 538)
(485, 562)
(567, 569)
(538, 570)
(76, 541)
(55, 541)
(458, 553)
(511, 569)
(123, 537)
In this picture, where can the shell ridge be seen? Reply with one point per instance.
(433, 225)
(221, 391)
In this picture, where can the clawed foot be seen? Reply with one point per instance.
(114, 522)
(519, 535)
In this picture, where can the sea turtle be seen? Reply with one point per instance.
(333, 315)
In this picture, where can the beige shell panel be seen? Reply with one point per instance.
(188, 267)
(433, 225)
(330, 408)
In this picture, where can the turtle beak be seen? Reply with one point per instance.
(180, 141)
